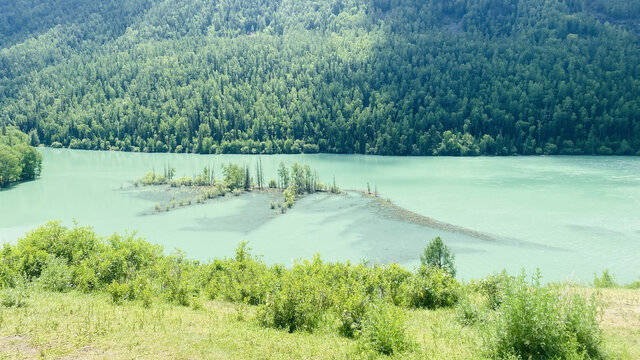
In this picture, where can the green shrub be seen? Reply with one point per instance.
(124, 256)
(234, 176)
(56, 275)
(289, 196)
(352, 288)
(146, 296)
(243, 279)
(196, 303)
(439, 255)
(151, 178)
(634, 285)
(55, 240)
(176, 280)
(494, 287)
(245, 282)
(431, 288)
(32, 261)
(84, 277)
(16, 296)
(394, 275)
(352, 312)
(294, 304)
(118, 292)
(7, 274)
(468, 313)
(605, 281)
(111, 267)
(546, 322)
(181, 293)
(141, 289)
(384, 330)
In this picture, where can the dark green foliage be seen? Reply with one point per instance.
(547, 322)
(118, 292)
(439, 255)
(18, 160)
(234, 176)
(296, 302)
(415, 77)
(431, 288)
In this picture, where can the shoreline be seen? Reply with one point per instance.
(41, 146)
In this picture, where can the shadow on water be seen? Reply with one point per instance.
(255, 212)
(387, 210)
(382, 231)
(388, 233)
(15, 185)
(598, 230)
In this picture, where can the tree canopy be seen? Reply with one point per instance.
(414, 77)
(18, 160)
(439, 255)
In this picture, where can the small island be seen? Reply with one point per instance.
(292, 183)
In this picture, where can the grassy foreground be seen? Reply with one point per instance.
(73, 325)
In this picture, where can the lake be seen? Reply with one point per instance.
(568, 216)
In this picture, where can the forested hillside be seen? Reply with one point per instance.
(410, 77)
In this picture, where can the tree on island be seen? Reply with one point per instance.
(234, 176)
(439, 255)
(283, 176)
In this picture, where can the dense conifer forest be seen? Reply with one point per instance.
(411, 77)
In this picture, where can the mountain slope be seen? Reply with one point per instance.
(388, 77)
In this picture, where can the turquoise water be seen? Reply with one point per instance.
(569, 216)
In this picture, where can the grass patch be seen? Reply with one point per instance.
(90, 326)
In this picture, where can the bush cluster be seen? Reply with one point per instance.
(358, 301)
(431, 288)
(546, 322)
(525, 319)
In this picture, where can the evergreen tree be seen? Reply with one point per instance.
(437, 254)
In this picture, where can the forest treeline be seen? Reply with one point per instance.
(413, 77)
(18, 160)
